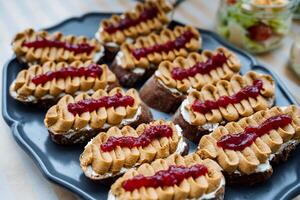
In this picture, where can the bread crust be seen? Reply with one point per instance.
(283, 155)
(157, 96)
(83, 136)
(110, 52)
(128, 78)
(191, 132)
(248, 180)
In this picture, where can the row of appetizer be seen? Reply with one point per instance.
(240, 135)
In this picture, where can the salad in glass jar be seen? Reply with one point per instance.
(297, 12)
(255, 25)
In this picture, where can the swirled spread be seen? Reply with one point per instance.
(92, 70)
(154, 48)
(178, 43)
(202, 108)
(106, 156)
(198, 69)
(268, 130)
(53, 80)
(125, 23)
(143, 140)
(146, 17)
(250, 91)
(174, 175)
(45, 43)
(40, 46)
(244, 139)
(90, 105)
(190, 178)
(61, 121)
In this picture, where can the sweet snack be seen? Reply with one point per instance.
(175, 177)
(145, 18)
(112, 153)
(226, 101)
(77, 119)
(245, 149)
(136, 62)
(167, 88)
(37, 47)
(45, 84)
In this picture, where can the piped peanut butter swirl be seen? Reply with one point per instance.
(144, 19)
(60, 120)
(39, 81)
(40, 46)
(238, 97)
(187, 188)
(128, 152)
(198, 69)
(272, 128)
(154, 48)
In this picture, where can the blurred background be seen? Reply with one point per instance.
(20, 178)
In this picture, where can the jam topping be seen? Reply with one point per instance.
(92, 70)
(212, 63)
(251, 91)
(125, 23)
(89, 105)
(44, 43)
(260, 32)
(174, 175)
(143, 140)
(242, 140)
(178, 43)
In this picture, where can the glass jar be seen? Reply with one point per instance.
(294, 57)
(297, 12)
(255, 25)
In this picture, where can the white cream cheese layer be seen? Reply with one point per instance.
(119, 61)
(111, 44)
(186, 116)
(172, 90)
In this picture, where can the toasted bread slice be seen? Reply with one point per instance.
(77, 120)
(100, 164)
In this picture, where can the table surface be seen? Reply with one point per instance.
(20, 177)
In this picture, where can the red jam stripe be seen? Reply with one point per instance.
(212, 63)
(251, 91)
(44, 43)
(92, 70)
(143, 140)
(89, 105)
(146, 14)
(242, 140)
(178, 43)
(174, 175)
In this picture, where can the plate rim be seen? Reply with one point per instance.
(13, 124)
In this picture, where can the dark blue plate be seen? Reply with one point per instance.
(61, 165)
